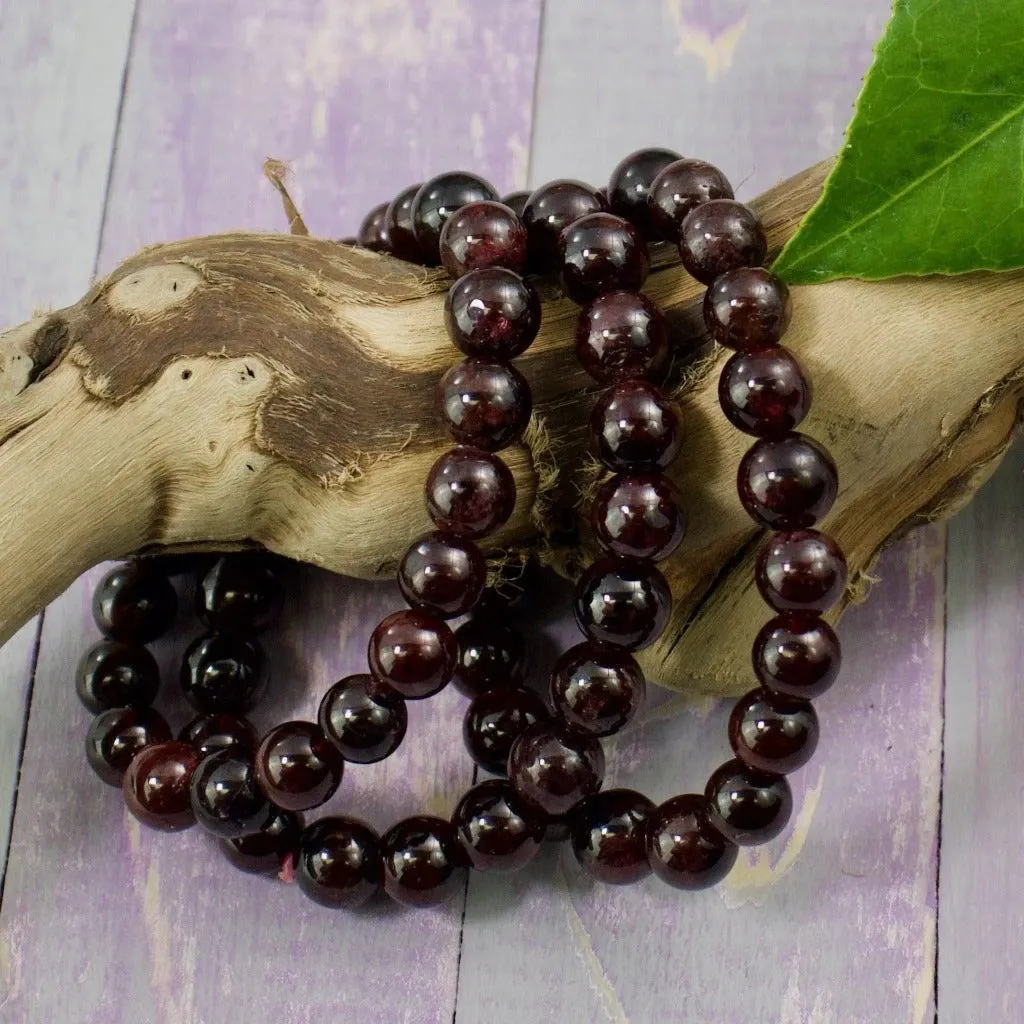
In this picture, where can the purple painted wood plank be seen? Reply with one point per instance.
(103, 922)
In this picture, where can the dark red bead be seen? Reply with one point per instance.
(117, 735)
(495, 719)
(223, 672)
(399, 227)
(497, 831)
(485, 234)
(787, 483)
(773, 734)
(764, 393)
(484, 403)
(516, 202)
(551, 209)
(226, 799)
(470, 492)
(491, 654)
(681, 187)
(719, 236)
(156, 785)
(264, 852)
(601, 253)
(747, 309)
(747, 806)
(638, 516)
(339, 862)
(115, 675)
(241, 594)
(423, 861)
(635, 426)
(622, 335)
(219, 731)
(597, 689)
(413, 653)
(364, 720)
(492, 313)
(683, 849)
(437, 200)
(622, 603)
(298, 767)
(609, 835)
(134, 603)
(443, 574)
(631, 181)
(797, 655)
(801, 571)
(373, 232)
(553, 767)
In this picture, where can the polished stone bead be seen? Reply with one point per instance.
(399, 227)
(683, 849)
(787, 483)
(116, 675)
(747, 308)
(516, 202)
(797, 655)
(134, 603)
(631, 182)
(240, 594)
(495, 719)
(117, 735)
(764, 393)
(219, 731)
(638, 516)
(493, 314)
(373, 232)
(601, 253)
(771, 733)
(264, 852)
(470, 492)
(622, 603)
(298, 767)
(635, 426)
(484, 403)
(339, 862)
(156, 785)
(442, 574)
(549, 210)
(485, 234)
(597, 689)
(747, 806)
(424, 863)
(680, 187)
(552, 767)
(226, 799)
(801, 571)
(719, 236)
(622, 335)
(364, 720)
(609, 835)
(497, 831)
(437, 200)
(223, 672)
(491, 654)
(412, 653)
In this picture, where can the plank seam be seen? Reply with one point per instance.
(462, 923)
(942, 774)
(535, 95)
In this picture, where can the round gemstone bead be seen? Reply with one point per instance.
(787, 483)
(516, 202)
(609, 835)
(631, 182)
(495, 719)
(373, 232)
(219, 731)
(552, 767)
(115, 675)
(470, 492)
(773, 734)
(486, 234)
(747, 308)
(117, 735)
(801, 571)
(764, 393)
(240, 593)
(264, 852)
(156, 785)
(134, 603)
(638, 516)
(719, 236)
(442, 574)
(622, 335)
(496, 829)
(622, 603)
(298, 767)
(597, 689)
(226, 799)
(399, 227)
(339, 862)
(424, 863)
(437, 200)
(797, 655)
(635, 426)
(363, 720)
(680, 187)
(601, 253)
(413, 653)
(747, 806)
(492, 313)
(491, 654)
(551, 209)
(683, 849)
(484, 403)
(223, 672)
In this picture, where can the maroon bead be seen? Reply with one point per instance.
(622, 603)
(115, 675)
(373, 232)
(551, 209)
(622, 335)
(491, 654)
(747, 806)
(423, 861)
(484, 403)
(117, 735)
(399, 227)
(413, 653)
(365, 721)
(601, 253)
(630, 183)
(638, 516)
(773, 734)
(437, 200)
(298, 767)
(223, 672)
(134, 603)
(495, 719)
(787, 483)
(470, 492)
(747, 309)
(156, 785)
(609, 835)
(516, 202)
(597, 689)
(683, 849)
(492, 313)
(264, 852)
(339, 862)
(552, 767)
(226, 799)
(241, 594)
(443, 574)
(764, 393)
(801, 571)
(719, 236)
(485, 234)
(797, 655)
(496, 829)
(681, 187)
(219, 731)
(635, 426)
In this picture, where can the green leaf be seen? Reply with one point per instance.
(931, 180)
